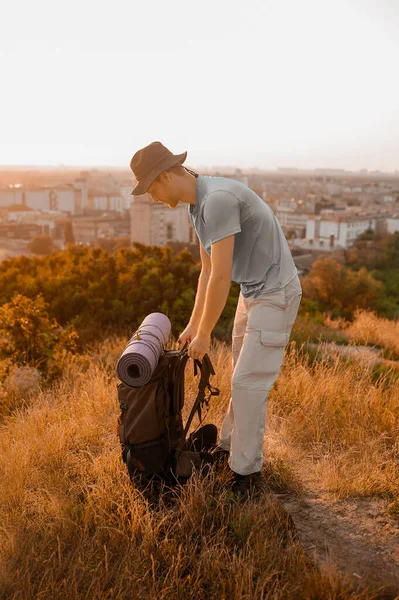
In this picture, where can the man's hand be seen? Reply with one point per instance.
(188, 334)
(199, 346)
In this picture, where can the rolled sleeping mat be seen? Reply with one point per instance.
(140, 358)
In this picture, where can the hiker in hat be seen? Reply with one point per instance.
(240, 240)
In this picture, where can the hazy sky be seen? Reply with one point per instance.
(310, 83)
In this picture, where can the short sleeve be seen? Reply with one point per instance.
(221, 215)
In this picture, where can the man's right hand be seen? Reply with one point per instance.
(188, 334)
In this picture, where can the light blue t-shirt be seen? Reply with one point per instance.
(262, 261)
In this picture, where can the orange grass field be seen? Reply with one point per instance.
(73, 526)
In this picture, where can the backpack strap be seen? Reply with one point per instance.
(206, 368)
(178, 397)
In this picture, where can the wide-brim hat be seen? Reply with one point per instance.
(149, 162)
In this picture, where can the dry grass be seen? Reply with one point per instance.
(72, 525)
(340, 423)
(369, 329)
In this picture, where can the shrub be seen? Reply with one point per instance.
(28, 336)
(42, 244)
(341, 290)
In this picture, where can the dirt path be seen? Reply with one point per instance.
(367, 354)
(356, 534)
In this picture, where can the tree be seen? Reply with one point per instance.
(340, 290)
(100, 293)
(29, 336)
(379, 254)
(114, 244)
(42, 244)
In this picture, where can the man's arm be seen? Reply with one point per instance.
(201, 289)
(218, 284)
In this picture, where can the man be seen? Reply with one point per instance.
(240, 240)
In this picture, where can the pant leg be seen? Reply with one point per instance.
(270, 318)
(240, 323)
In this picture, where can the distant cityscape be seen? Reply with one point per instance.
(320, 210)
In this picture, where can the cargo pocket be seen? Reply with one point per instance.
(260, 359)
(274, 338)
(273, 344)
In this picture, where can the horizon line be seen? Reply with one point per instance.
(363, 170)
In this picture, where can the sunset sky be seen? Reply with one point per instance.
(310, 83)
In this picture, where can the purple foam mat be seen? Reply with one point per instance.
(140, 358)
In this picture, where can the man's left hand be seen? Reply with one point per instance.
(199, 346)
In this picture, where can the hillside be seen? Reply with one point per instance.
(74, 527)
(326, 524)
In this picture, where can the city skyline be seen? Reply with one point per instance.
(265, 85)
(204, 168)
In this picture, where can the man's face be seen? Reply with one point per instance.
(162, 190)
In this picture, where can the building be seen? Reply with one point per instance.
(11, 195)
(154, 223)
(18, 215)
(292, 220)
(91, 229)
(20, 231)
(344, 228)
(320, 246)
(81, 186)
(64, 198)
(106, 201)
(125, 192)
(393, 225)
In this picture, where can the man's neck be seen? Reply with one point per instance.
(187, 189)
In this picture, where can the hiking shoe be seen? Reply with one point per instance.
(202, 439)
(220, 456)
(246, 485)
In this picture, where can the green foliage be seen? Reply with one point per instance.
(309, 329)
(114, 244)
(369, 278)
(29, 336)
(340, 290)
(101, 293)
(379, 254)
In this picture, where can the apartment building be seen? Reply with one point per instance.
(90, 229)
(292, 220)
(18, 215)
(393, 225)
(63, 198)
(157, 224)
(101, 200)
(344, 228)
(11, 195)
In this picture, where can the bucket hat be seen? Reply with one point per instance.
(149, 162)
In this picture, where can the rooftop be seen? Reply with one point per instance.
(18, 208)
(340, 218)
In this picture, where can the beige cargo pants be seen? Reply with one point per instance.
(261, 332)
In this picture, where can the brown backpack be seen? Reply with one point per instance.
(150, 426)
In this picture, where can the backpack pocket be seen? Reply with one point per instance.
(148, 459)
(142, 417)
